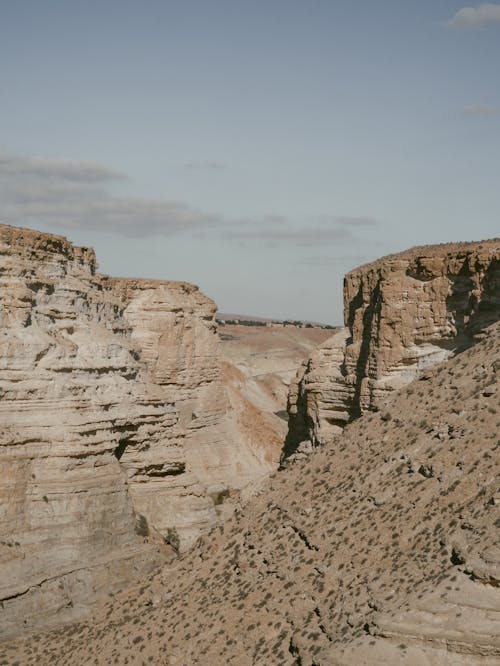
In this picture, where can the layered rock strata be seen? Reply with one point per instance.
(113, 429)
(169, 465)
(261, 361)
(380, 548)
(70, 394)
(403, 313)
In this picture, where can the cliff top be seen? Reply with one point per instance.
(134, 283)
(31, 242)
(487, 246)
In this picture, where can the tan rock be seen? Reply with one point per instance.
(404, 314)
(114, 431)
(67, 402)
(350, 557)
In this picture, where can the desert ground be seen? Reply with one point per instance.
(378, 549)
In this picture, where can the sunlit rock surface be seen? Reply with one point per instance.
(114, 436)
(403, 313)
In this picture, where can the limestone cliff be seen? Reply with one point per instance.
(403, 313)
(70, 394)
(380, 549)
(113, 429)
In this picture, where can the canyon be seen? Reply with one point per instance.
(141, 507)
(123, 427)
(379, 548)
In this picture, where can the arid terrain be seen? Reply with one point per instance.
(379, 549)
(260, 363)
(143, 520)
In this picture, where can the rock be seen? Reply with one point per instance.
(404, 313)
(344, 558)
(426, 471)
(72, 396)
(318, 400)
(115, 434)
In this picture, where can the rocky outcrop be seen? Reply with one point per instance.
(170, 464)
(71, 394)
(379, 548)
(403, 314)
(319, 400)
(114, 436)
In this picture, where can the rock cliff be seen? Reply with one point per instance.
(403, 313)
(261, 361)
(380, 548)
(113, 429)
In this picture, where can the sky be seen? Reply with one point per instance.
(260, 149)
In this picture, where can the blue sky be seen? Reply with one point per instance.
(259, 149)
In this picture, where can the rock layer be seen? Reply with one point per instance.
(380, 548)
(403, 314)
(113, 426)
(70, 394)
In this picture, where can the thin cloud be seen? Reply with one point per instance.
(275, 219)
(65, 195)
(206, 165)
(304, 236)
(475, 17)
(72, 195)
(349, 221)
(278, 229)
(329, 261)
(482, 110)
(75, 172)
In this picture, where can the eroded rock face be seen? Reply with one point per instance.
(71, 392)
(380, 548)
(319, 400)
(404, 313)
(173, 334)
(114, 436)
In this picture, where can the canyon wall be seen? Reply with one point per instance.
(114, 437)
(380, 549)
(403, 314)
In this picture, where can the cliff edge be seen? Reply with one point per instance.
(114, 439)
(403, 314)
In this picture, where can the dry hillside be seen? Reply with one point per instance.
(378, 549)
(259, 363)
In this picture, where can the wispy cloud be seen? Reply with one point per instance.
(327, 261)
(349, 221)
(275, 219)
(303, 236)
(64, 170)
(475, 17)
(72, 195)
(206, 165)
(66, 195)
(482, 110)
